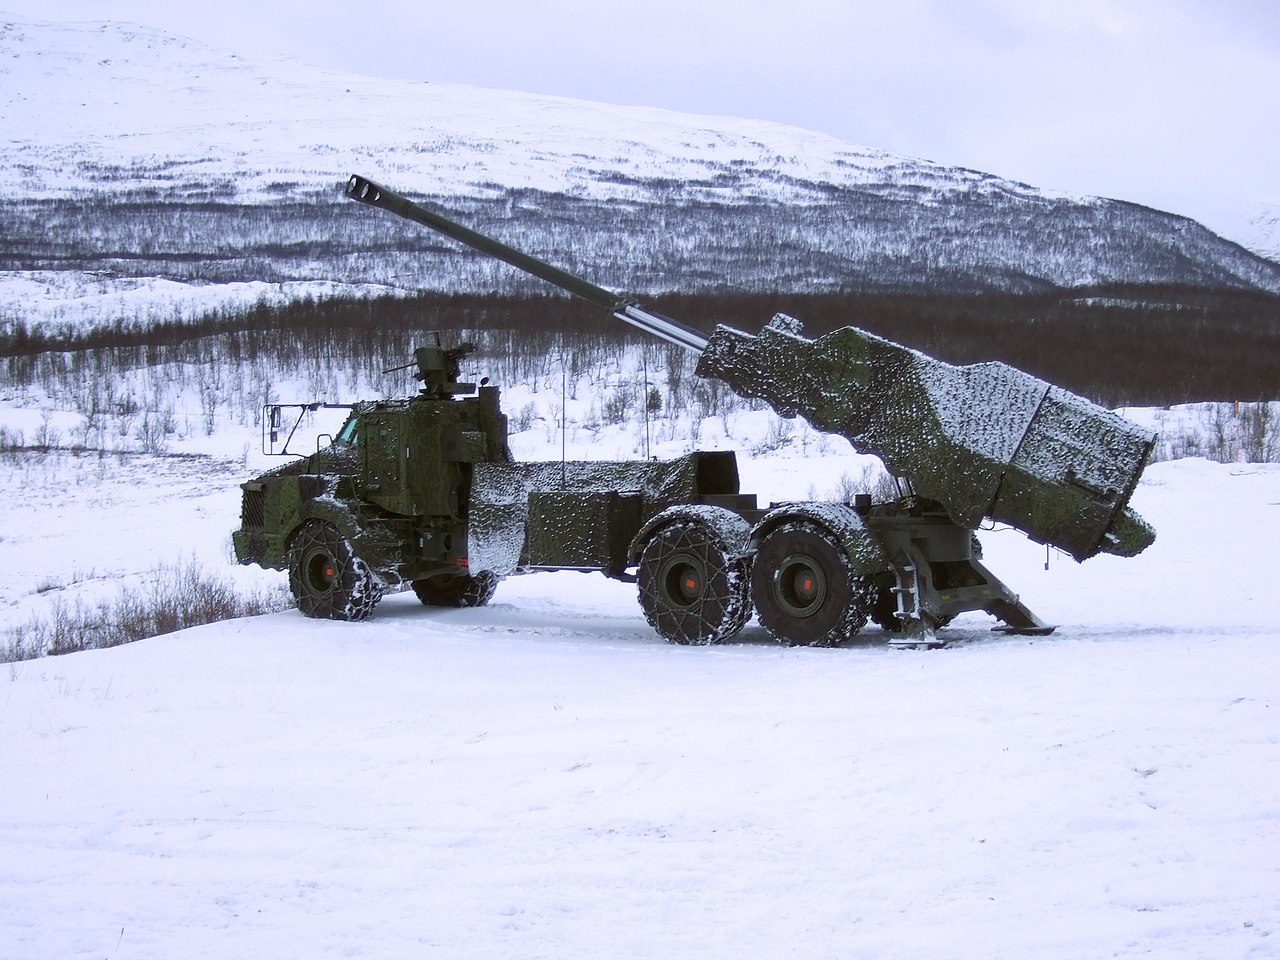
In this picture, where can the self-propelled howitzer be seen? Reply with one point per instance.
(423, 491)
(984, 441)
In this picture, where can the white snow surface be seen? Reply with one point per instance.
(73, 299)
(545, 777)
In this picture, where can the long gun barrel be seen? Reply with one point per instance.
(984, 441)
(625, 308)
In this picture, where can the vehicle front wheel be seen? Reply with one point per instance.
(805, 587)
(692, 590)
(327, 579)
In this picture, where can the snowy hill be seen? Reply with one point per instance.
(143, 154)
(1265, 231)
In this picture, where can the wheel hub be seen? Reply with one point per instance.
(799, 585)
(684, 580)
(321, 572)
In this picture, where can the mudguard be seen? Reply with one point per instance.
(861, 546)
(733, 532)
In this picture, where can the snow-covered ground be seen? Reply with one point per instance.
(546, 778)
(73, 300)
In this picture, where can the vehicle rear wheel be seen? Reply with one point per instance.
(692, 590)
(327, 579)
(806, 589)
(463, 591)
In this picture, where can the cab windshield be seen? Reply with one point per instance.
(349, 431)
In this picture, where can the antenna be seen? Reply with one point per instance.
(564, 419)
(644, 400)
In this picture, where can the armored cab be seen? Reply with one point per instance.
(386, 502)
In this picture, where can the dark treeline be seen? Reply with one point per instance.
(1119, 346)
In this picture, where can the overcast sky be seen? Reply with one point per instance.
(1171, 103)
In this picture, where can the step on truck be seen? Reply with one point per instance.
(423, 492)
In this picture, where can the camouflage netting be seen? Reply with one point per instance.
(985, 441)
(580, 513)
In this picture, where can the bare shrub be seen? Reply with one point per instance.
(777, 436)
(872, 479)
(11, 440)
(151, 434)
(1260, 432)
(1224, 432)
(617, 407)
(174, 598)
(47, 436)
(525, 418)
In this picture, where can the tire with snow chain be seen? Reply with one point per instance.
(693, 590)
(327, 579)
(805, 588)
(464, 591)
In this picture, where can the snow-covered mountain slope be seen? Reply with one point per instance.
(1264, 231)
(146, 154)
(107, 94)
